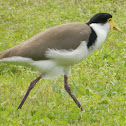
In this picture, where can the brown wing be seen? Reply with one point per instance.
(66, 36)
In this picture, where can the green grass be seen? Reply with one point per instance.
(99, 82)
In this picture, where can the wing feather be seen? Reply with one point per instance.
(62, 37)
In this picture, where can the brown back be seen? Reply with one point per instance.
(66, 36)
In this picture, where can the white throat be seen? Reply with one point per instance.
(101, 27)
(101, 31)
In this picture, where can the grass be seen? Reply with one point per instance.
(99, 82)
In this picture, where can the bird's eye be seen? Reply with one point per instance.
(109, 19)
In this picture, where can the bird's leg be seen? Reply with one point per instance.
(67, 88)
(32, 84)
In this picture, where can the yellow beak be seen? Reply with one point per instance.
(112, 25)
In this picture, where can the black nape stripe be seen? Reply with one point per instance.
(92, 38)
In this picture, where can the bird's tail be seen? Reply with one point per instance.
(17, 60)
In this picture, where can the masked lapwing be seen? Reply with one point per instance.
(53, 51)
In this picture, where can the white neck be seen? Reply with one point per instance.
(101, 27)
(101, 31)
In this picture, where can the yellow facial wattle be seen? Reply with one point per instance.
(112, 25)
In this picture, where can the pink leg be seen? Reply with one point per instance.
(67, 88)
(32, 84)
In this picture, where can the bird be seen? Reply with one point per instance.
(54, 51)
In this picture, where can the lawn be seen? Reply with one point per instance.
(99, 82)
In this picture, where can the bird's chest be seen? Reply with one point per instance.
(101, 36)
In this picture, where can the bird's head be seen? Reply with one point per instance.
(103, 18)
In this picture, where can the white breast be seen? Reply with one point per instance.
(101, 31)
